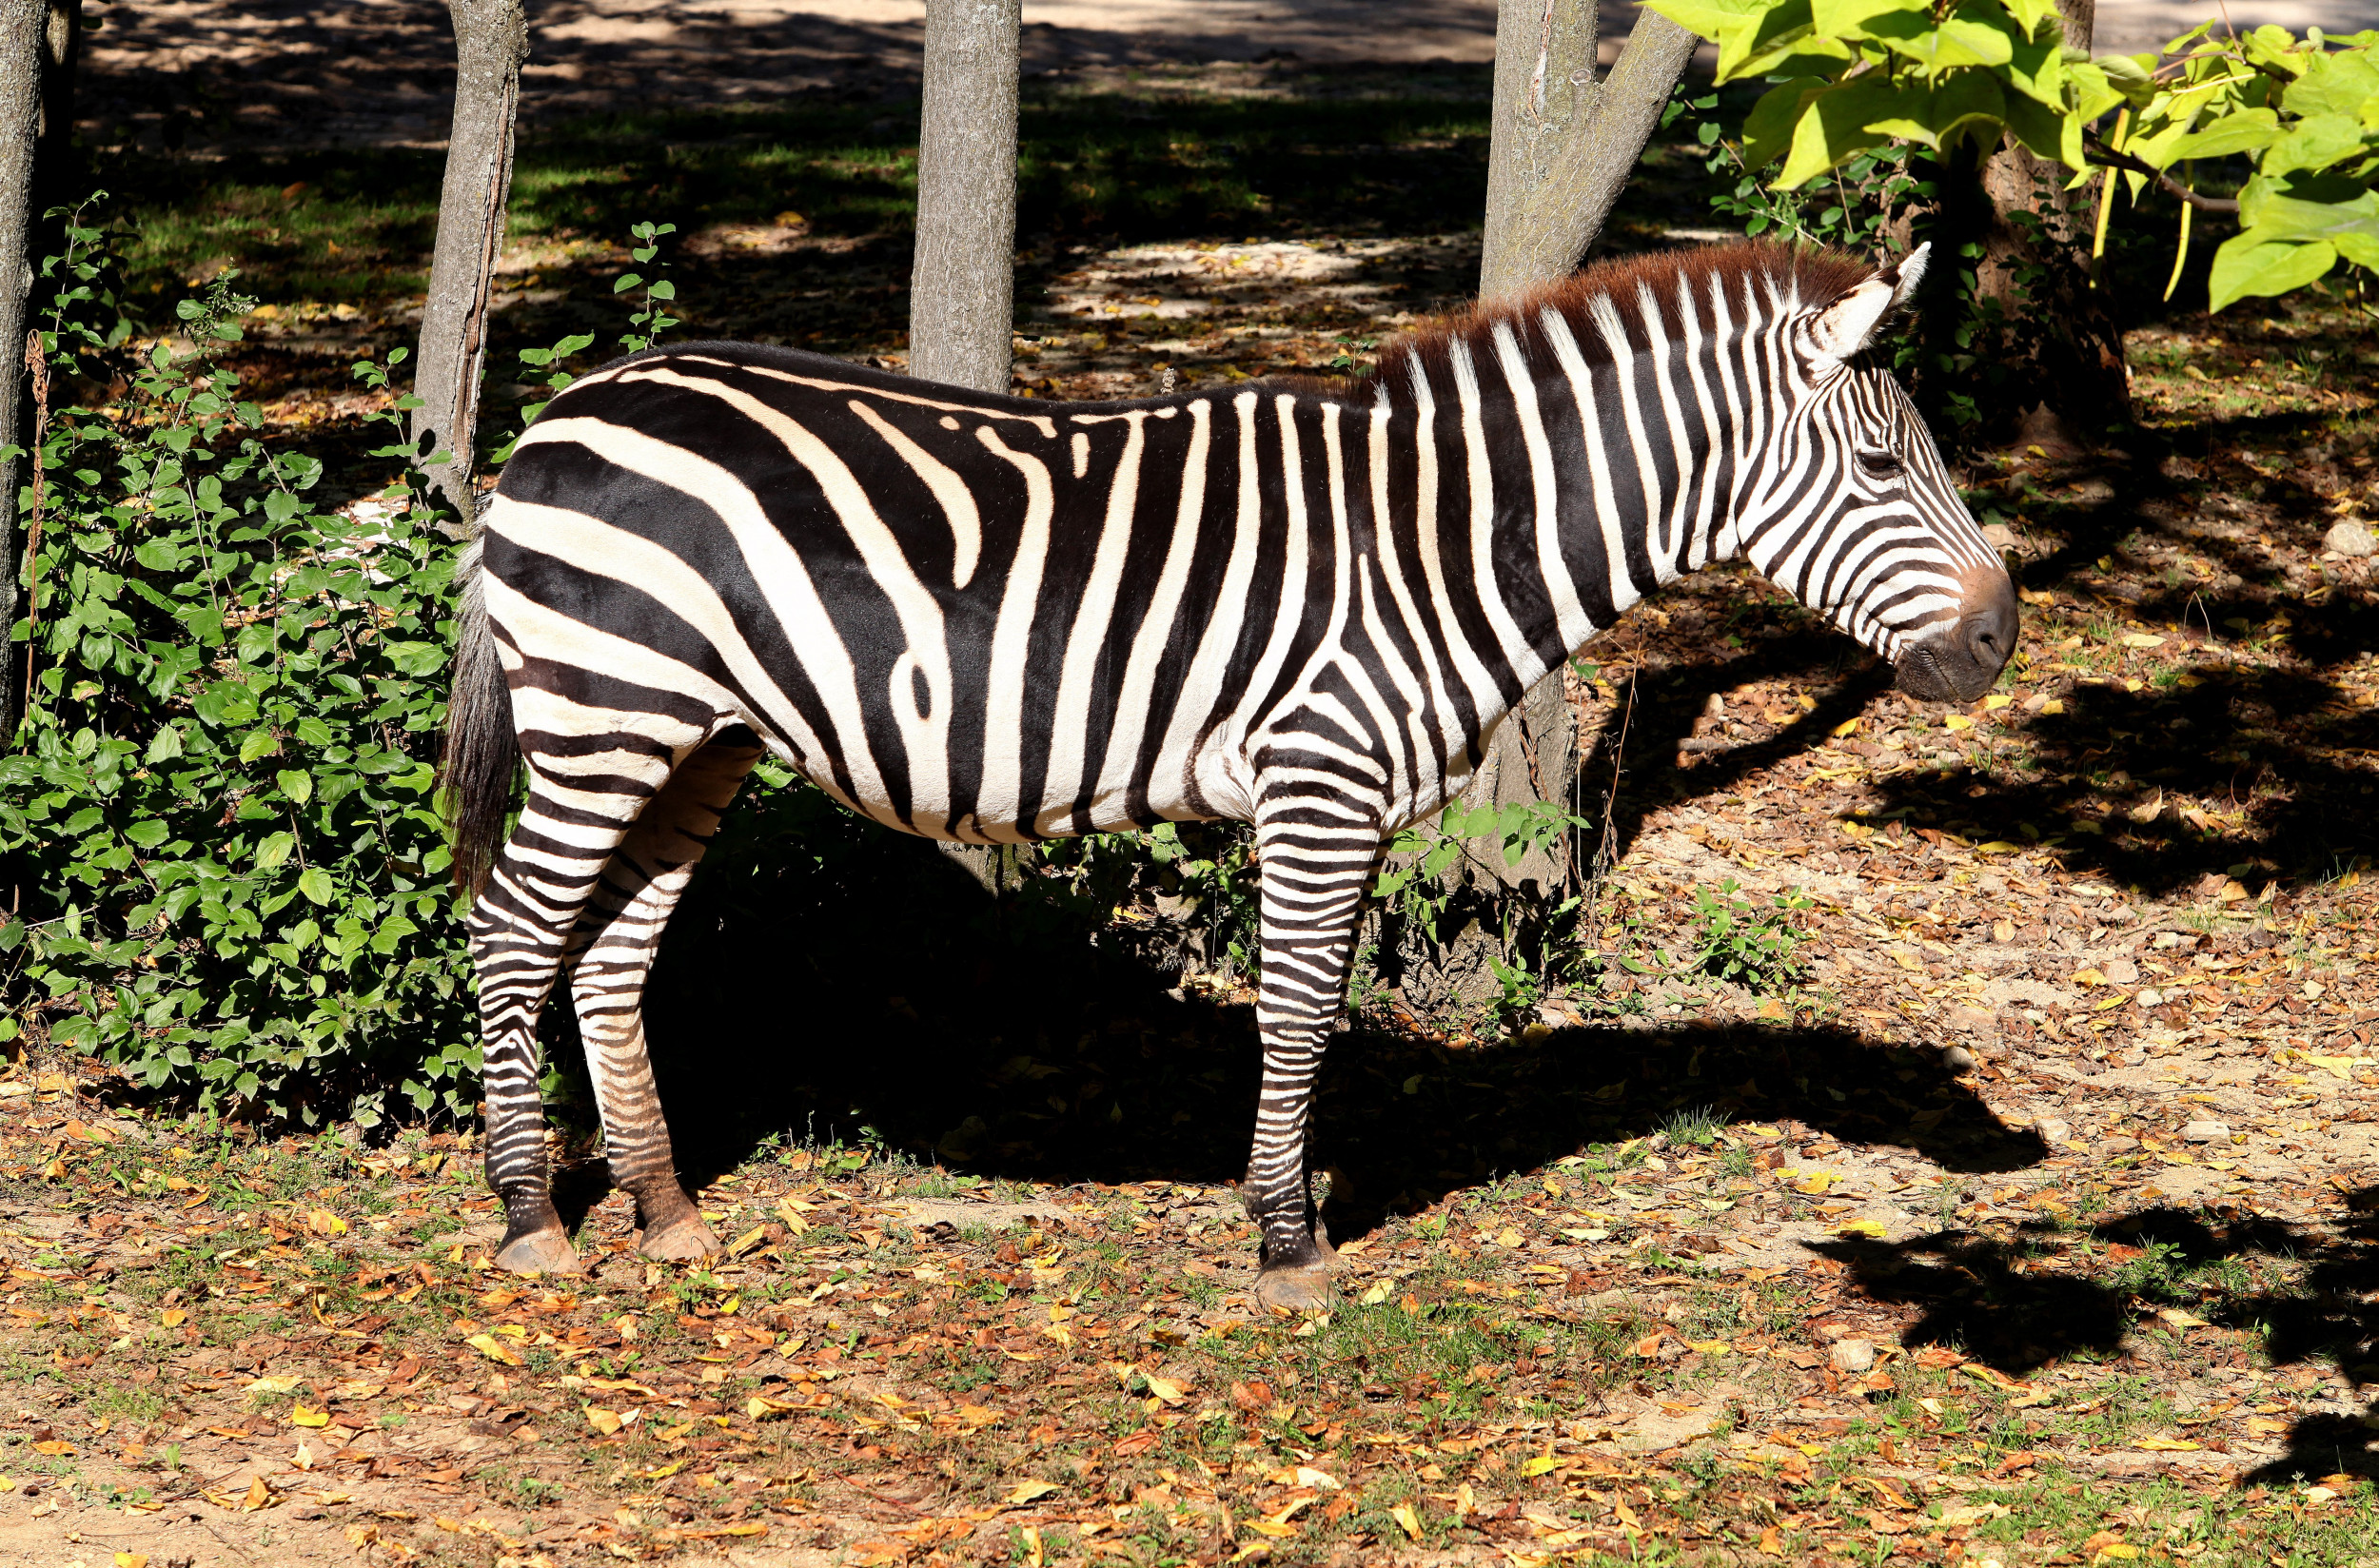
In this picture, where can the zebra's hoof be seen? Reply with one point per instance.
(686, 1240)
(539, 1253)
(1304, 1289)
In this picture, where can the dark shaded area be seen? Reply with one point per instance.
(828, 976)
(1980, 1295)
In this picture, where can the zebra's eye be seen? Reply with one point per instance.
(1881, 464)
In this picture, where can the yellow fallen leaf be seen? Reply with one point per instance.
(1167, 1390)
(173, 1317)
(604, 1421)
(279, 1383)
(1995, 702)
(1031, 1491)
(2167, 1445)
(1376, 1295)
(1541, 1464)
(1268, 1527)
(259, 1495)
(53, 1447)
(2089, 978)
(1957, 721)
(2053, 707)
(324, 1223)
(131, 1559)
(2175, 1318)
(1307, 1475)
(1997, 846)
(492, 1348)
(1508, 1238)
(746, 1242)
(300, 1415)
(1848, 727)
(2142, 640)
(1871, 1229)
(1403, 1514)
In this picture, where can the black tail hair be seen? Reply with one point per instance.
(480, 770)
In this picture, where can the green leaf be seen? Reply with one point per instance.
(258, 743)
(165, 745)
(148, 834)
(296, 783)
(2343, 84)
(2314, 143)
(274, 851)
(2242, 132)
(315, 883)
(2250, 264)
(624, 282)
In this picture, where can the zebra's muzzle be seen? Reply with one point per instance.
(1960, 662)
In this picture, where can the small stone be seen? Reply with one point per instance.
(1715, 707)
(2118, 1146)
(2207, 1133)
(1976, 1020)
(2000, 537)
(1853, 1355)
(2150, 997)
(2053, 1130)
(2121, 972)
(2351, 539)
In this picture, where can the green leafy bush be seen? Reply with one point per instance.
(218, 811)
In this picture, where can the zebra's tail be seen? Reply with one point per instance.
(481, 763)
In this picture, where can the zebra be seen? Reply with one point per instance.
(1302, 605)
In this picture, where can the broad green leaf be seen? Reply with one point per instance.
(274, 851)
(2247, 264)
(148, 834)
(2315, 143)
(1843, 121)
(2343, 84)
(1768, 128)
(296, 783)
(2044, 133)
(315, 883)
(1769, 30)
(2037, 69)
(165, 745)
(258, 743)
(1956, 42)
(2243, 131)
(1848, 19)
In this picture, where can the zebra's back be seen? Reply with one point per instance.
(969, 617)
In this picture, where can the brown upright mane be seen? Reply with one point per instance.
(1819, 277)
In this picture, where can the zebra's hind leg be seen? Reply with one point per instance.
(1318, 855)
(614, 946)
(520, 927)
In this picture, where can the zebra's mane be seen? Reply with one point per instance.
(1815, 277)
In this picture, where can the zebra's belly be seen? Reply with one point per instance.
(1216, 783)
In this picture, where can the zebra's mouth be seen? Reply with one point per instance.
(1961, 662)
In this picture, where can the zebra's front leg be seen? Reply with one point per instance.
(617, 939)
(1317, 858)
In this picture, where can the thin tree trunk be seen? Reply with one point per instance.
(21, 38)
(2065, 349)
(962, 287)
(490, 42)
(962, 290)
(1561, 152)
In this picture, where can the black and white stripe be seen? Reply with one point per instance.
(1300, 605)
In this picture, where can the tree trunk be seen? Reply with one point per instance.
(962, 287)
(1562, 149)
(21, 40)
(962, 290)
(2063, 342)
(490, 42)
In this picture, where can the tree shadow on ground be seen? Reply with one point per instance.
(1983, 1295)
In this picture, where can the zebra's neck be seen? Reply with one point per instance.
(1575, 455)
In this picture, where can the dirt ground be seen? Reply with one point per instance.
(254, 74)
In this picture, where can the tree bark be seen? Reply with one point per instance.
(22, 35)
(962, 285)
(962, 289)
(1561, 150)
(490, 42)
(2063, 338)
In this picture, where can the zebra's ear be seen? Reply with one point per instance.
(1847, 325)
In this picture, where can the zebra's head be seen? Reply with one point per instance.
(1856, 514)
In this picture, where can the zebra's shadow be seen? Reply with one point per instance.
(865, 990)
